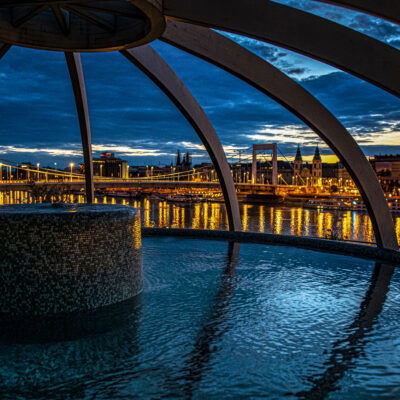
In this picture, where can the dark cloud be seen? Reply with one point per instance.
(334, 16)
(367, 24)
(374, 27)
(269, 53)
(296, 71)
(274, 55)
(307, 5)
(127, 109)
(362, 108)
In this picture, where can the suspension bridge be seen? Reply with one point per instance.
(254, 175)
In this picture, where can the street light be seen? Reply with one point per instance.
(71, 166)
(55, 167)
(37, 168)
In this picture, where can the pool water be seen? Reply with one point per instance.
(228, 321)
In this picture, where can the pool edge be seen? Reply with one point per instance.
(323, 245)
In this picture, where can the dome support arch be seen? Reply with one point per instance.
(154, 66)
(299, 31)
(74, 65)
(78, 85)
(228, 55)
(4, 47)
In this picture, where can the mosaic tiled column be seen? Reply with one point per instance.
(64, 258)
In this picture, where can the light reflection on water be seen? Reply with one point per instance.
(226, 321)
(342, 225)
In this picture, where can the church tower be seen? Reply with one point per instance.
(178, 162)
(298, 163)
(316, 171)
(187, 162)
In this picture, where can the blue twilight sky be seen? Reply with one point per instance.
(131, 117)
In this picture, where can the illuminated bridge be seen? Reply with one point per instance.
(24, 177)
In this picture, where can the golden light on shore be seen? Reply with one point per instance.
(345, 225)
(278, 222)
(262, 219)
(245, 217)
(175, 217)
(292, 221)
(196, 216)
(205, 216)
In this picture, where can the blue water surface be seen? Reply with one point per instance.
(229, 321)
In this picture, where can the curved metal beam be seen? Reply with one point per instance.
(78, 84)
(386, 9)
(154, 66)
(4, 47)
(231, 57)
(308, 34)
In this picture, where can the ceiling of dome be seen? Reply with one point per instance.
(79, 25)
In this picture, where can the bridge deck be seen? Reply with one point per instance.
(129, 184)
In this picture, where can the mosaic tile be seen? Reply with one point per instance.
(67, 257)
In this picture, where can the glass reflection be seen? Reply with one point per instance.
(345, 351)
(211, 330)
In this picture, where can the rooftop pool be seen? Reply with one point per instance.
(219, 320)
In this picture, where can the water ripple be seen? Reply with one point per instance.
(256, 322)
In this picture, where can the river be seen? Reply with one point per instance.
(340, 225)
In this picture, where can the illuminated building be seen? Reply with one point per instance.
(387, 168)
(109, 166)
(343, 176)
(298, 162)
(316, 171)
(301, 172)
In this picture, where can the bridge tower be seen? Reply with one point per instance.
(272, 147)
(298, 164)
(316, 171)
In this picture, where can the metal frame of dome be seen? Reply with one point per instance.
(150, 62)
(80, 25)
(299, 31)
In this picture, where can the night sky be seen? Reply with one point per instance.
(131, 117)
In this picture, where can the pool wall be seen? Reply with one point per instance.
(71, 258)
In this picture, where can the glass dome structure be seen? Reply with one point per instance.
(75, 26)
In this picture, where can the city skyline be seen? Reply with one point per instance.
(233, 156)
(40, 123)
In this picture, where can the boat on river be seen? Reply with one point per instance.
(347, 204)
(336, 203)
(183, 198)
